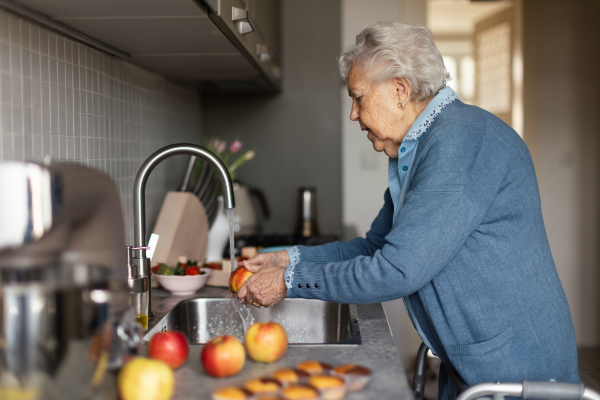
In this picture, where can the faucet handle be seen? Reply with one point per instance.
(130, 267)
(130, 249)
(130, 273)
(142, 248)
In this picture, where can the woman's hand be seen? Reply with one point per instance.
(266, 287)
(279, 258)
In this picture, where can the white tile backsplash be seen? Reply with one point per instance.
(62, 98)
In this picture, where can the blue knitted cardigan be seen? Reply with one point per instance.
(468, 249)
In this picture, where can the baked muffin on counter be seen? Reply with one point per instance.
(312, 367)
(231, 393)
(289, 376)
(300, 392)
(356, 376)
(268, 397)
(262, 386)
(330, 387)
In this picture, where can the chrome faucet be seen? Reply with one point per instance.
(139, 258)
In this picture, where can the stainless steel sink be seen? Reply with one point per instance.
(307, 322)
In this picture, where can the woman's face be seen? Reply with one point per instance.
(375, 107)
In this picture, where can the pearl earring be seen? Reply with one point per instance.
(400, 105)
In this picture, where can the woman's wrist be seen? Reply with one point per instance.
(293, 255)
(285, 257)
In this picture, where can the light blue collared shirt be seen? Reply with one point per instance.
(398, 167)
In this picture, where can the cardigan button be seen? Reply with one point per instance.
(405, 168)
(402, 150)
(317, 285)
(308, 285)
(300, 285)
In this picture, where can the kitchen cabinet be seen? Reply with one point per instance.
(195, 42)
(263, 44)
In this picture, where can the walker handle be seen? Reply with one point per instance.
(552, 390)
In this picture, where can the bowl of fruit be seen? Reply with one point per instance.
(183, 279)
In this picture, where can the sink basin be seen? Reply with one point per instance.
(307, 322)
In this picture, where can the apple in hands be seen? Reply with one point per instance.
(223, 356)
(238, 278)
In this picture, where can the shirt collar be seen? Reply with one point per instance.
(426, 118)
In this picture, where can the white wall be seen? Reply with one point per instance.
(364, 171)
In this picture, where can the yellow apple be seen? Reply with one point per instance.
(146, 379)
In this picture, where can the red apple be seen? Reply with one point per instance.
(238, 277)
(170, 347)
(223, 356)
(266, 341)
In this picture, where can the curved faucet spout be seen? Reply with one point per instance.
(139, 187)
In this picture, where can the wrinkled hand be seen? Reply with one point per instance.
(278, 258)
(266, 287)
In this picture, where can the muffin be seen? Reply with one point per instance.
(268, 397)
(356, 376)
(231, 393)
(312, 367)
(289, 375)
(331, 387)
(300, 392)
(262, 386)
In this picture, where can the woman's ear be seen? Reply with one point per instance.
(403, 90)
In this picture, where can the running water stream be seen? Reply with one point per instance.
(231, 242)
(242, 310)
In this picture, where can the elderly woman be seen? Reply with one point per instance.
(460, 237)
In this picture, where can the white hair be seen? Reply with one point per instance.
(403, 51)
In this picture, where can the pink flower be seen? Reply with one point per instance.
(221, 147)
(235, 146)
(250, 155)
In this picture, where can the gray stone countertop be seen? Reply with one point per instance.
(376, 352)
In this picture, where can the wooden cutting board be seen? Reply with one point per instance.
(182, 228)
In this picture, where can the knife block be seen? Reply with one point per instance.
(182, 229)
(220, 277)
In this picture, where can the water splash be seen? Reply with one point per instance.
(245, 314)
(230, 318)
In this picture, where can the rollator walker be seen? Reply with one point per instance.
(498, 390)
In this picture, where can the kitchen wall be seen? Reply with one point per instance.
(562, 115)
(65, 99)
(296, 134)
